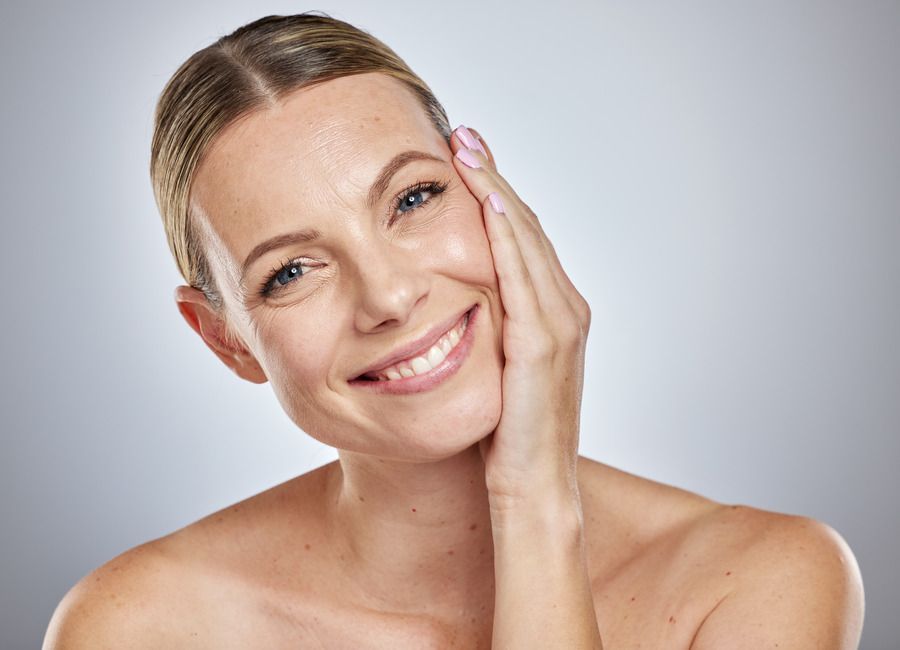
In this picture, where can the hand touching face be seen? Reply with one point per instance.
(384, 268)
(533, 451)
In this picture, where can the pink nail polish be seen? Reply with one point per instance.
(469, 140)
(496, 203)
(468, 158)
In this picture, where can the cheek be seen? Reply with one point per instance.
(465, 249)
(293, 360)
(295, 365)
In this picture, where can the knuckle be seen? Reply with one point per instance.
(584, 314)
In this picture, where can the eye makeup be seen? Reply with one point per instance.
(276, 280)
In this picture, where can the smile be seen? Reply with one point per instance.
(428, 367)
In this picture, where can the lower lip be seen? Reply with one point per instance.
(435, 376)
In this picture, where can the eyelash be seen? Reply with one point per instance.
(433, 187)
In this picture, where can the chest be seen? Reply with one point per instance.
(275, 621)
(659, 597)
(656, 597)
(632, 612)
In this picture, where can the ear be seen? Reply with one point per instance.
(208, 323)
(485, 145)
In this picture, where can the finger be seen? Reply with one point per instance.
(536, 254)
(578, 306)
(577, 302)
(517, 291)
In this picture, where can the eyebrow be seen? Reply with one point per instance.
(311, 234)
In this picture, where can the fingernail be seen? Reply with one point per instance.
(469, 140)
(496, 203)
(468, 158)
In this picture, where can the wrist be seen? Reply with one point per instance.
(556, 511)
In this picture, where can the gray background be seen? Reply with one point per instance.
(721, 182)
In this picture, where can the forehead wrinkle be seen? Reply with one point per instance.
(347, 153)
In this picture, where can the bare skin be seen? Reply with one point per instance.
(392, 546)
(264, 573)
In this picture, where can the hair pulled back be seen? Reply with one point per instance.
(250, 68)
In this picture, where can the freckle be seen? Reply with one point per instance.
(671, 619)
(449, 552)
(472, 620)
(220, 518)
(728, 573)
(473, 526)
(413, 509)
(362, 498)
(734, 507)
(481, 552)
(632, 599)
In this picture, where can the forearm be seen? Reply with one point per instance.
(543, 595)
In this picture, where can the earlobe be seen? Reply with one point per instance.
(248, 368)
(209, 324)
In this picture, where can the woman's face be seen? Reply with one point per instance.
(388, 264)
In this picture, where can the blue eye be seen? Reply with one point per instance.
(287, 273)
(279, 277)
(407, 201)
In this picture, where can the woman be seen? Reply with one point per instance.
(438, 344)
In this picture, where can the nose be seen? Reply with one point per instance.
(391, 286)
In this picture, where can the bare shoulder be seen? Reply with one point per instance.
(727, 575)
(203, 585)
(121, 603)
(627, 505)
(796, 582)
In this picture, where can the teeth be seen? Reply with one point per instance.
(420, 365)
(430, 360)
(435, 356)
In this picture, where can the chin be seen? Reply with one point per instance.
(441, 422)
(452, 432)
(427, 437)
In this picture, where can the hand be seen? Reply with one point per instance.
(533, 452)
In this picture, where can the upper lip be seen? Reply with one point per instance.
(413, 348)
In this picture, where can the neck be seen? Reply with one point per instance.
(415, 536)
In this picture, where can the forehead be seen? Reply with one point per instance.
(293, 163)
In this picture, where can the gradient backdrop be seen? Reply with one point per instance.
(720, 180)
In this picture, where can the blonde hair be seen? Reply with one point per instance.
(250, 68)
